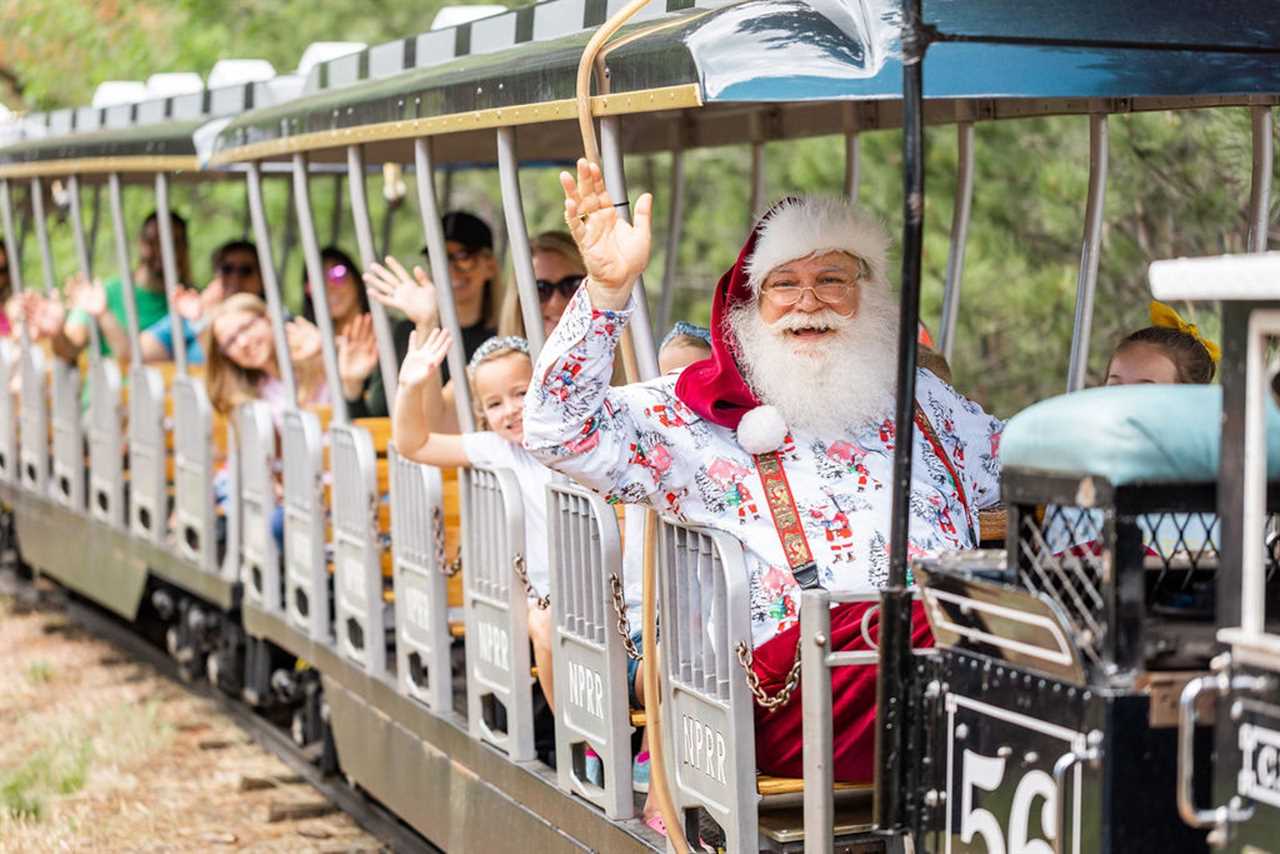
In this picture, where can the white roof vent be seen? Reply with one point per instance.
(229, 72)
(452, 16)
(174, 83)
(112, 92)
(319, 52)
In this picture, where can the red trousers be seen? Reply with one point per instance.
(780, 733)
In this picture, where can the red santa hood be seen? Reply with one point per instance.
(794, 228)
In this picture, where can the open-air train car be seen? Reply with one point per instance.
(1046, 718)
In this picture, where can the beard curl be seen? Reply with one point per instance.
(842, 382)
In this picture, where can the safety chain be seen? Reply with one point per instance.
(447, 568)
(769, 704)
(543, 602)
(624, 625)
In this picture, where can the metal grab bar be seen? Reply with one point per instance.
(1091, 754)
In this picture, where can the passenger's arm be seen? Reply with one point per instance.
(419, 405)
(91, 298)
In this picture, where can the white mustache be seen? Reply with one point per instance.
(824, 319)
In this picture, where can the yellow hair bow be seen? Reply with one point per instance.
(1165, 316)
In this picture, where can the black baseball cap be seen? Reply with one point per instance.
(467, 229)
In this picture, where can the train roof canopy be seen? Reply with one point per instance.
(711, 72)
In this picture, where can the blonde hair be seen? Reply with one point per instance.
(498, 347)
(229, 384)
(510, 319)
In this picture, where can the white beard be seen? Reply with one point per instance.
(838, 383)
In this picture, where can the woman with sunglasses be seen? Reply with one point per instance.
(353, 329)
(559, 270)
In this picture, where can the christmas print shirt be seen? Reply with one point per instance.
(639, 444)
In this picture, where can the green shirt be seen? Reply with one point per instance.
(152, 306)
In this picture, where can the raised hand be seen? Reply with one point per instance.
(187, 304)
(426, 353)
(88, 296)
(393, 287)
(304, 341)
(357, 354)
(44, 315)
(614, 251)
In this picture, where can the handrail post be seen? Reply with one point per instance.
(675, 229)
(1260, 183)
(126, 268)
(12, 246)
(518, 240)
(84, 248)
(959, 236)
(270, 280)
(852, 165)
(368, 255)
(42, 233)
(438, 258)
(615, 182)
(319, 292)
(759, 182)
(82, 251)
(815, 684)
(1090, 252)
(169, 261)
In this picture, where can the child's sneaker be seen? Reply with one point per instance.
(594, 768)
(640, 772)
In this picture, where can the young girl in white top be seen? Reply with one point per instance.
(499, 373)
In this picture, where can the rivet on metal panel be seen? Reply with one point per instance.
(962, 732)
(819, 639)
(1030, 758)
(1004, 751)
(933, 797)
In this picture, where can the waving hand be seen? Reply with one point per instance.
(614, 251)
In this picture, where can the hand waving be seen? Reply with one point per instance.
(395, 288)
(424, 356)
(357, 354)
(44, 315)
(88, 296)
(304, 341)
(615, 252)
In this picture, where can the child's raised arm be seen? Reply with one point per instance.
(420, 404)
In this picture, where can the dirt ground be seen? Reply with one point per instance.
(100, 753)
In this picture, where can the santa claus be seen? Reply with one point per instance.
(787, 426)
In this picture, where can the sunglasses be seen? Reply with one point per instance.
(337, 274)
(567, 287)
(241, 270)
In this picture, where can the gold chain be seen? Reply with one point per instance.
(543, 602)
(770, 704)
(447, 568)
(624, 625)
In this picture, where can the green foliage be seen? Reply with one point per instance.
(61, 768)
(1179, 184)
(39, 672)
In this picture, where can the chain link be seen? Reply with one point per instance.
(624, 625)
(447, 568)
(769, 704)
(543, 602)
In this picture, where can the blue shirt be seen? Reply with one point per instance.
(162, 329)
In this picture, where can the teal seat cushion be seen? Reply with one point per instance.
(1128, 434)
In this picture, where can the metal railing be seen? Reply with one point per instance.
(357, 549)
(708, 717)
(106, 444)
(499, 685)
(588, 651)
(148, 498)
(422, 605)
(195, 507)
(259, 557)
(10, 369)
(33, 429)
(306, 567)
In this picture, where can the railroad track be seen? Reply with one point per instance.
(366, 812)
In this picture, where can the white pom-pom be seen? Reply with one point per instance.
(762, 430)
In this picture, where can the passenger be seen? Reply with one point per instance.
(473, 276)
(103, 303)
(558, 268)
(235, 271)
(1169, 351)
(353, 328)
(790, 419)
(685, 344)
(499, 373)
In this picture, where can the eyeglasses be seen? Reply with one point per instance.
(236, 338)
(337, 274)
(829, 293)
(567, 287)
(466, 259)
(244, 271)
